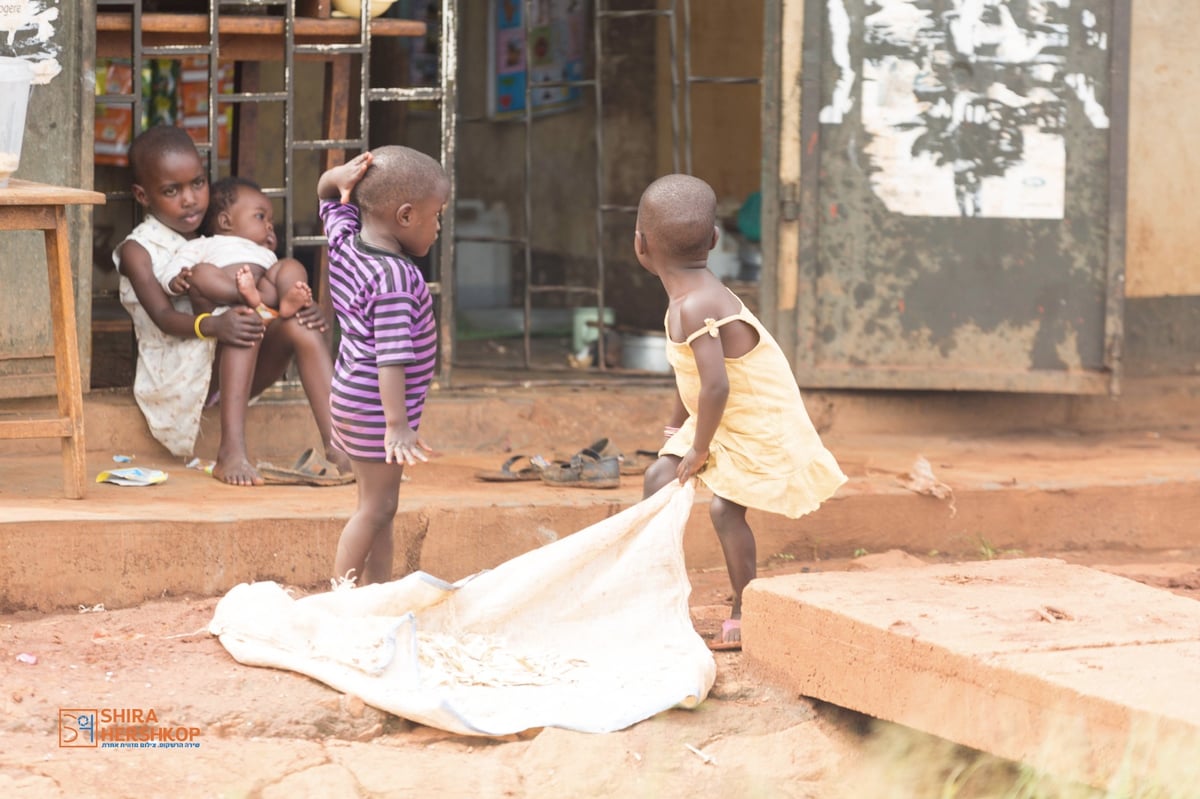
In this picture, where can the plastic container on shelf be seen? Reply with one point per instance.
(482, 269)
(645, 351)
(16, 78)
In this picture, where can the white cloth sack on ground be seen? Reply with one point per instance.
(589, 633)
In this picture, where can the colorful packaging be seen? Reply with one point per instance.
(114, 123)
(173, 93)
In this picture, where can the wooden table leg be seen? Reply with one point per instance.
(66, 355)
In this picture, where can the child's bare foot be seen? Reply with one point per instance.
(339, 459)
(236, 472)
(247, 288)
(297, 297)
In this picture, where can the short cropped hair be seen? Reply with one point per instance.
(678, 213)
(221, 197)
(155, 142)
(397, 175)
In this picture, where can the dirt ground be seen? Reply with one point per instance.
(267, 733)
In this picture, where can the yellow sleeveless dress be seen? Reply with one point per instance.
(766, 454)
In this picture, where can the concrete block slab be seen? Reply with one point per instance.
(1072, 670)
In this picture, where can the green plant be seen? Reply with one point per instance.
(989, 552)
(858, 553)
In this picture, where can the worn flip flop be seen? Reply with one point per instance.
(310, 469)
(642, 459)
(585, 469)
(719, 642)
(638, 464)
(506, 473)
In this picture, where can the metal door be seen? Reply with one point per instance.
(960, 198)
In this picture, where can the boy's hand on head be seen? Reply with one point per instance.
(240, 327)
(405, 447)
(341, 180)
(357, 167)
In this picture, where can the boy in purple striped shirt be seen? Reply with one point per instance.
(380, 210)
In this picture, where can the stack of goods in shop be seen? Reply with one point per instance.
(174, 92)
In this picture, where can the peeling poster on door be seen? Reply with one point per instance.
(964, 102)
(27, 31)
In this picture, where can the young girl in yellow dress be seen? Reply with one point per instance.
(739, 423)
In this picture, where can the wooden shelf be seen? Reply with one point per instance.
(243, 38)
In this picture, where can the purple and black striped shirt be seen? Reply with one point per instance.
(386, 317)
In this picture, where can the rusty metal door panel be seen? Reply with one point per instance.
(962, 184)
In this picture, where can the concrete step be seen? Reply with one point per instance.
(477, 416)
(1030, 494)
(1074, 671)
(280, 423)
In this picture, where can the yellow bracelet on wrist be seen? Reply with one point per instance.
(200, 318)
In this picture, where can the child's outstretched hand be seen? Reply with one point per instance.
(181, 283)
(341, 180)
(405, 447)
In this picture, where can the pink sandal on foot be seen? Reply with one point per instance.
(722, 642)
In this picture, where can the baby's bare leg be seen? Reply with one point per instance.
(216, 284)
(290, 280)
(247, 287)
(267, 289)
(298, 296)
(200, 303)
